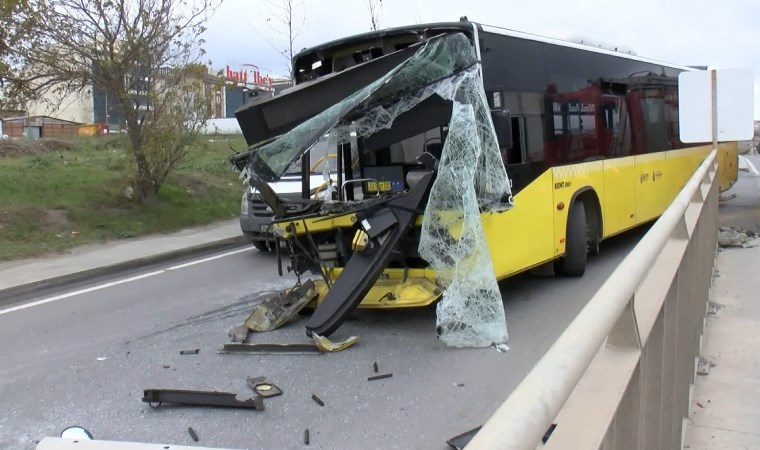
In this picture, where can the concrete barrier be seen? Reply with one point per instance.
(621, 375)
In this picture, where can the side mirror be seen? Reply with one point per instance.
(502, 123)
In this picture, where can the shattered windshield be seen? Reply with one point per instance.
(471, 178)
(440, 58)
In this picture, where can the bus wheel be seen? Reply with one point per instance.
(573, 264)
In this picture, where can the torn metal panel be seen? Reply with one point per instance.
(158, 397)
(278, 309)
(372, 108)
(267, 119)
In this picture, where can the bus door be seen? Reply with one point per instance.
(619, 169)
(651, 139)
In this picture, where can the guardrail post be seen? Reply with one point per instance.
(625, 332)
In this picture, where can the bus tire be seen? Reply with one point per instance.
(573, 264)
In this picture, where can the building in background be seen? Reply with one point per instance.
(247, 84)
(36, 127)
(226, 91)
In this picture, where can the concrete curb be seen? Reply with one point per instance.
(8, 295)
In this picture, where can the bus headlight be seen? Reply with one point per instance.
(244, 207)
(244, 203)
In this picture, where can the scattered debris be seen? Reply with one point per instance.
(264, 388)
(190, 352)
(379, 377)
(374, 366)
(459, 384)
(501, 348)
(193, 434)
(101, 358)
(157, 397)
(278, 309)
(460, 441)
(167, 367)
(327, 345)
(238, 333)
(704, 366)
(306, 436)
(750, 244)
(317, 400)
(271, 349)
(713, 308)
(736, 237)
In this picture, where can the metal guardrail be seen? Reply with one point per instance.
(621, 375)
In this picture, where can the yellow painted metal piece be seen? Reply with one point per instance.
(360, 242)
(619, 205)
(728, 165)
(392, 291)
(327, 345)
(313, 224)
(522, 236)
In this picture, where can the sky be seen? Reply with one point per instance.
(720, 33)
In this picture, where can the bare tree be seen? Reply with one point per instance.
(375, 8)
(286, 19)
(142, 54)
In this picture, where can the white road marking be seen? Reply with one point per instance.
(115, 283)
(81, 291)
(211, 258)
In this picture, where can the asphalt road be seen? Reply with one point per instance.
(85, 359)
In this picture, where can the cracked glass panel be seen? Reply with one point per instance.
(471, 178)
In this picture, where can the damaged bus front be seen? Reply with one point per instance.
(403, 224)
(427, 122)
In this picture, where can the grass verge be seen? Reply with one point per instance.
(58, 194)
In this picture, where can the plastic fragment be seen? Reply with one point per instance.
(327, 345)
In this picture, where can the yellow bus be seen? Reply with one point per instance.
(562, 144)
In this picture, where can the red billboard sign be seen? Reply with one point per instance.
(247, 77)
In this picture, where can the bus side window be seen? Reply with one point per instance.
(655, 126)
(617, 124)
